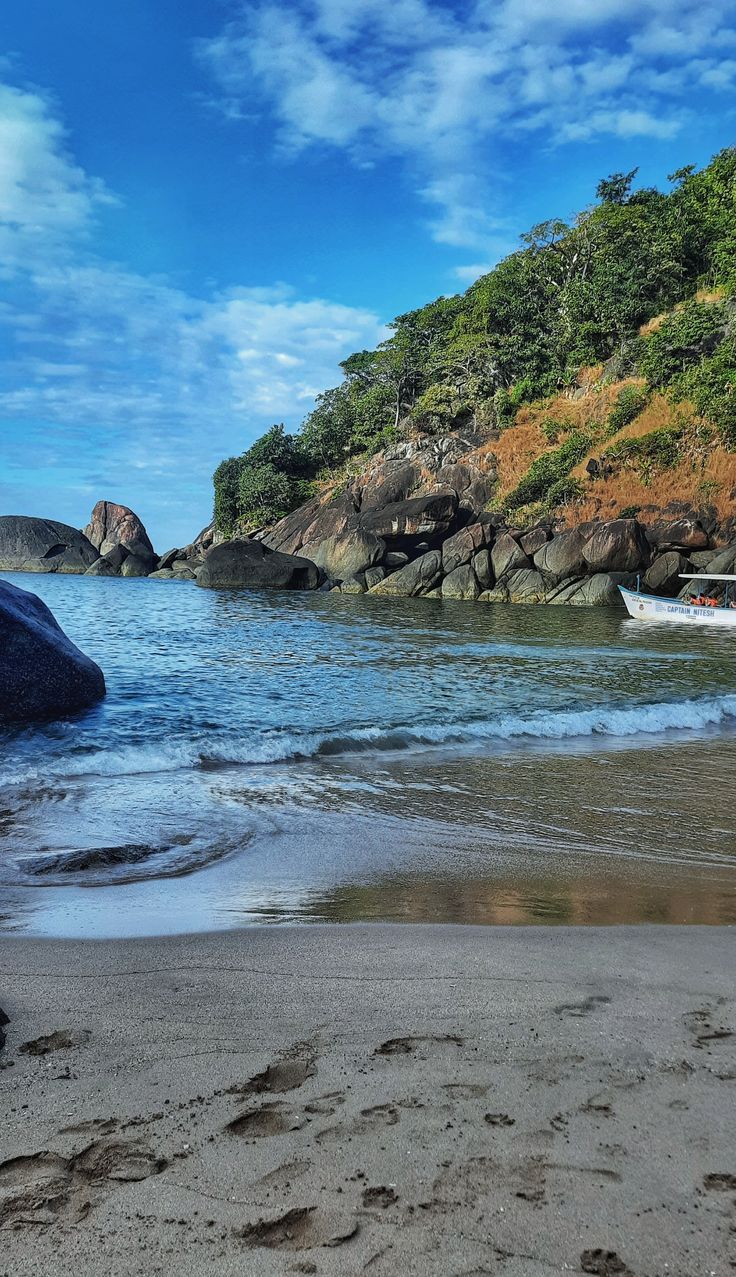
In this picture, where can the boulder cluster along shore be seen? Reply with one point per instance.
(433, 545)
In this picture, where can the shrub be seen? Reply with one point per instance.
(650, 453)
(266, 495)
(711, 386)
(549, 469)
(684, 338)
(564, 491)
(227, 494)
(630, 402)
(436, 409)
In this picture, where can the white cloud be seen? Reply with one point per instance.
(126, 371)
(416, 80)
(45, 198)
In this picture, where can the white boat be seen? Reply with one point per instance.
(648, 607)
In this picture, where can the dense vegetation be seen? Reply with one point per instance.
(573, 295)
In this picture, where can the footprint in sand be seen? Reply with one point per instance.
(465, 1090)
(59, 1040)
(380, 1197)
(370, 1119)
(45, 1187)
(325, 1105)
(720, 1182)
(604, 1263)
(269, 1119)
(703, 1027)
(578, 1009)
(285, 1074)
(302, 1228)
(282, 1177)
(409, 1046)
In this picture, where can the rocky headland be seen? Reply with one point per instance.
(412, 524)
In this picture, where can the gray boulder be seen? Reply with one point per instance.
(415, 578)
(252, 565)
(483, 570)
(168, 559)
(136, 565)
(353, 585)
(346, 554)
(101, 567)
(562, 556)
(601, 590)
(507, 556)
(374, 575)
(42, 673)
(526, 586)
(663, 575)
(42, 545)
(462, 583)
(679, 534)
(534, 540)
(461, 547)
(617, 546)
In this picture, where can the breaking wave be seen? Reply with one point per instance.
(287, 746)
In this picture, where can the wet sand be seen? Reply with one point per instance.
(443, 1101)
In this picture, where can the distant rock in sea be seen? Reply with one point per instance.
(42, 545)
(42, 674)
(113, 527)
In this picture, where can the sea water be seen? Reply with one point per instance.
(276, 756)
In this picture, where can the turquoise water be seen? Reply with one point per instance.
(311, 756)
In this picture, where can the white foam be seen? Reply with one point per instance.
(275, 747)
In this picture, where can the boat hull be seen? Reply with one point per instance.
(647, 607)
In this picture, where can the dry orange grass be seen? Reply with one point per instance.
(514, 452)
(711, 482)
(658, 414)
(521, 444)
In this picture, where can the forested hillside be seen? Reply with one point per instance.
(596, 365)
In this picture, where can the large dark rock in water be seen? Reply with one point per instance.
(417, 577)
(252, 565)
(42, 545)
(42, 673)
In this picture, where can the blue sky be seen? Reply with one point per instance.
(205, 206)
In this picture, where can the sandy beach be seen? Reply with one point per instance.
(448, 1101)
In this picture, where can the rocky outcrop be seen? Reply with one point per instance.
(507, 556)
(419, 519)
(42, 545)
(618, 546)
(111, 525)
(417, 577)
(245, 564)
(42, 674)
(347, 554)
(562, 556)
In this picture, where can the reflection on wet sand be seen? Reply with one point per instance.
(587, 902)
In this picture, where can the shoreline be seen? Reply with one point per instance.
(390, 1098)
